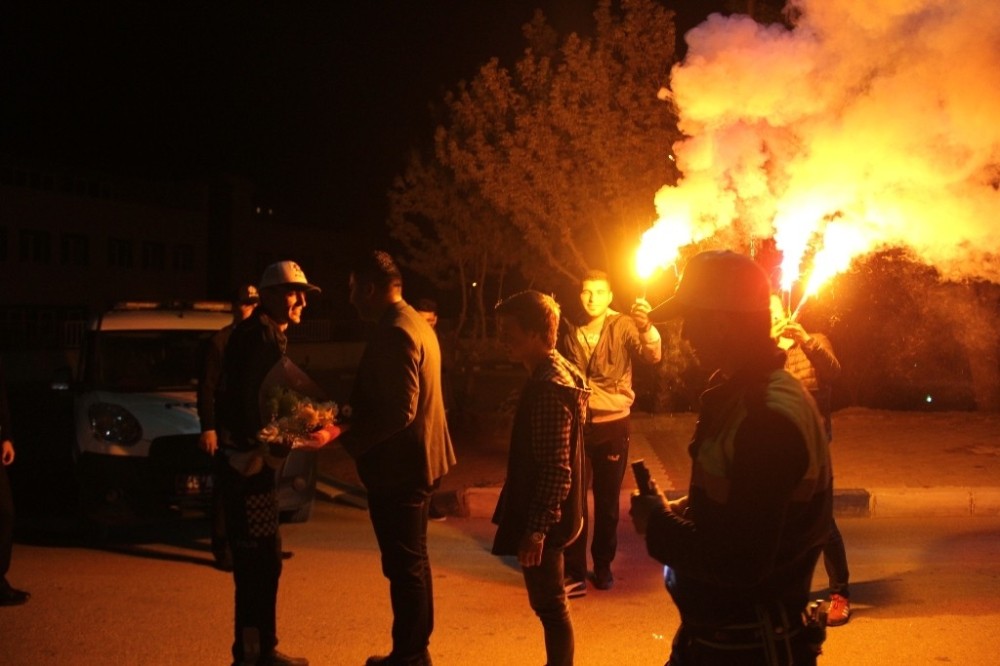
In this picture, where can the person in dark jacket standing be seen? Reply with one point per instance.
(9, 596)
(246, 299)
(811, 360)
(741, 547)
(400, 442)
(247, 483)
(540, 510)
(603, 347)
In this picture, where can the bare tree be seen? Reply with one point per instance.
(451, 236)
(565, 150)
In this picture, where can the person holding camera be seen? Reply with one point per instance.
(741, 547)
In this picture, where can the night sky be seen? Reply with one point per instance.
(319, 102)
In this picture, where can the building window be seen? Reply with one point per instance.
(74, 250)
(154, 256)
(119, 253)
(183, 260)
(34, 246)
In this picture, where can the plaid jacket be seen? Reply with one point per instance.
(544, 487)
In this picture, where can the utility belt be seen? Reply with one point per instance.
(776, 633)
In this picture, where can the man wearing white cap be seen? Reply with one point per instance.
(247, 484)
(740, 549)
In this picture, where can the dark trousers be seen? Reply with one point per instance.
(606, 459)
(835, 561)
(688, 651)
(6, 524)
(220, 542)
(399, 519)
(251, 512)
(548, 599)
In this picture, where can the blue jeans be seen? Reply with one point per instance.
(399, 519)
(548, 599)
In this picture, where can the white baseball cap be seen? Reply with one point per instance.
(285, 274)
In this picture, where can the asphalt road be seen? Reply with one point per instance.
(925, 591)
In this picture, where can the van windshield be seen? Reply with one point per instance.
(146, 360)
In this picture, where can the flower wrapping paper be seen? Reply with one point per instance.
(294, 408)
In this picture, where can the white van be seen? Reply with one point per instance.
(136, 418)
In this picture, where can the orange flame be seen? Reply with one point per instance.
(793, 230)
(842, 243)
(844, 116)
(660, 247)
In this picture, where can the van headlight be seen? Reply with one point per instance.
(114, 423)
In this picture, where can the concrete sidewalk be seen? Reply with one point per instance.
(886, 464)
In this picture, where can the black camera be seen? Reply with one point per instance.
(642, 478)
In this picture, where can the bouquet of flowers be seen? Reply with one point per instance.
(297, 415)
(297, 421)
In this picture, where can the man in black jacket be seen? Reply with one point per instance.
(740, 549)
(400, 442)
(247, 482)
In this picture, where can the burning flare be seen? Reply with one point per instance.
(660, 247)
(864, 126)
(842, 242)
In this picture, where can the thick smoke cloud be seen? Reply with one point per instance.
(882, 117)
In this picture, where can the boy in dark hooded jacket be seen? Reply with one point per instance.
(540, 510)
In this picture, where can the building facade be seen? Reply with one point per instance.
(73, 243)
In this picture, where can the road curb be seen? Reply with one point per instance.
(479, 502)
(884, 502)
(851, 503)
(942, 501)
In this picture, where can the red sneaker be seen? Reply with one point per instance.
(838, 611)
